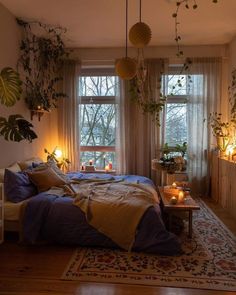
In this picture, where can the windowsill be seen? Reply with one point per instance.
(99, 171)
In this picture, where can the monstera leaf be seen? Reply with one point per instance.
(10, 87)
(16, 128)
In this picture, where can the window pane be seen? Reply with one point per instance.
(176, 124)
(97, 86)
(179, 82)
(100, 159)
(97, 124)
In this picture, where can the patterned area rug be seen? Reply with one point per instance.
(208, 262)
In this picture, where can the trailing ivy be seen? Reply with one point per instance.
(188, 4)
(142, 94)
(41, 60)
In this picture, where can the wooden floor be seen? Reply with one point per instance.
(37, 270)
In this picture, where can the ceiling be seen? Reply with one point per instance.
(101, 23)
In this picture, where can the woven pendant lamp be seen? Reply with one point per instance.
(126, 67)
(140, 33)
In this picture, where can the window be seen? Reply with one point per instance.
(176, 108)
(97, 113)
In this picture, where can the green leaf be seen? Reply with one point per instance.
(10, 87)
(16, 128)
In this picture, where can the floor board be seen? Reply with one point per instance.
(37, 269)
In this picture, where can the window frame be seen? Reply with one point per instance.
(173, 99)
(111, 99)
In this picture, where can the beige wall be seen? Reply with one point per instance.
(110, 54)
(46, 129)
(232, 54)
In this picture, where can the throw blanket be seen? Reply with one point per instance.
(115, 208)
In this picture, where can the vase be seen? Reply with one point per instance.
(222, 143)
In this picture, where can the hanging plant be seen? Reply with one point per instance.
(10, 87)
(141, 92)
(41, 60)
(188, 4)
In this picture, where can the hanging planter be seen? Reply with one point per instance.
(140, 35)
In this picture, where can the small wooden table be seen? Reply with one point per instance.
(187, 205)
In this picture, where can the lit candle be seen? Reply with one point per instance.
(90, 162)
(107, 168)
(173, 200)
(110, 165)
(174, 185)
(104, 161)
(180, 196)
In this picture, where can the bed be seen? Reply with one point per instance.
(54, 218)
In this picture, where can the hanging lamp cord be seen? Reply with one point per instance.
(140, 10)
(126, 30)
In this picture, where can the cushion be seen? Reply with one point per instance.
(17, 186)
(28, 163)
(15, 168)
(44, 179)
(52, 165)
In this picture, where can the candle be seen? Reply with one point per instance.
(90, 162)
(174, 185)
(110, 165)
(82, 167)
(104, 161)
(107, 168)
(180, 196)
(173, 200)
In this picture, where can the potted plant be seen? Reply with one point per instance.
(15, 128)
(223, 130)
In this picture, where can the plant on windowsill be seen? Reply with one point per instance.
(40, 61)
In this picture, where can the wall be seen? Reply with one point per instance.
(110, 54)
(232, 54)
(46, 130)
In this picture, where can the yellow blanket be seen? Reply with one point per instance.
(115, 208)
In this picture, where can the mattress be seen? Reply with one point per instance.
(12, 211)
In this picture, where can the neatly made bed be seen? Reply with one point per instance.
(56, 219)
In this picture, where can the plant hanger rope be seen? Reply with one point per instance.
(126, 28)
(140, 10)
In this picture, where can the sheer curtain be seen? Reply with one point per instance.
(138, 134)
(204, 98)
(68, 117)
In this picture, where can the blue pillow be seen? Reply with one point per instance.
(17, 186)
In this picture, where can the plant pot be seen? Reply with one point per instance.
(222, 142)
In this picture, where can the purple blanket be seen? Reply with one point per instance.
(56, 220)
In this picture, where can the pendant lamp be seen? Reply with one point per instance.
(140, 34)
(126, 67)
